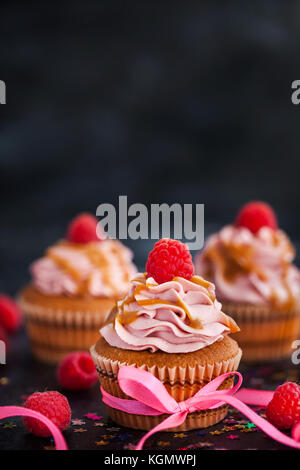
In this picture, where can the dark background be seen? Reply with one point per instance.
(161, 101)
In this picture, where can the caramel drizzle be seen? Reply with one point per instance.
(63, 264)
(126, 317)
(98, 259)
(236, 261)
(203, 283)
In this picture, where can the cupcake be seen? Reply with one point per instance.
(73, 289)
(251, 266)
(171, 325)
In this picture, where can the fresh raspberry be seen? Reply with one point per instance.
(54, 406)
(255, 215)
(82, 229)
(284, 409)
(77, 371)
(169, 258)
(10, 315)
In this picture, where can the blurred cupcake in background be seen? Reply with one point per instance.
(73, 288)
(171, 325)
(250, 264)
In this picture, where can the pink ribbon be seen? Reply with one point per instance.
(151, 398)
(9, 411)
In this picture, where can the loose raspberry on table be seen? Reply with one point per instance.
(83, 229)
(10, 315)
(284, 409)
(54, 406)
(77, 371)
(255, 215)
(169, 258)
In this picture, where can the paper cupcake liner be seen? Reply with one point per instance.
(181, 383)
(197, 420)
(265, 334)
(55, 333)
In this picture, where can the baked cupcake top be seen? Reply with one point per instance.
(84, 265)
(178, 314)
(251, 261)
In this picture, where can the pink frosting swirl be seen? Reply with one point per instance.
(101, 268)
(179, 316)
(251, 268)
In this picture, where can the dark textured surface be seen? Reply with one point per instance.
(161, 101)
(26, 376)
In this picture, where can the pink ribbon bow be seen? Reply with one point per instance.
(9, 411)
(151, 398)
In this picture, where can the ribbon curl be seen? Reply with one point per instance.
(9, 411)
(151, 398)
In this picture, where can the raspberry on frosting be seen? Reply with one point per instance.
(77, 371)
(10, 315)
(83, 229)
(169, 258)
(54, 406)
(284, 409)
(255, 215)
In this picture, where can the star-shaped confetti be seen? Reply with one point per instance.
(9, 425)
(215, 433)
(4, 381)
(93, 416)
(124, 436)
(107, 436)
(180, 434)
(77, 422)
(100, 425)
(200, 445)
(239, 426)
(163, 443)
(233, 436)
(228, 428)
(101, 443)
(229, 421)
(250, 425)
(110, 429)
(129, 446)
(80, 430)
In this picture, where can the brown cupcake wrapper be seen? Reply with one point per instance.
(171, 375)
(55, 333)
(181, 383)
(265, 334)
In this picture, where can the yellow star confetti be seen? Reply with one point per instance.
(4, 381)
(179, 434)
(9, 425)
(79, 430)
(228, 428)
(215, 433)
(163, 443)
(101, 443)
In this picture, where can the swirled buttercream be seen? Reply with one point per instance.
(251, 268)
(178, 316)
(101, 268)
